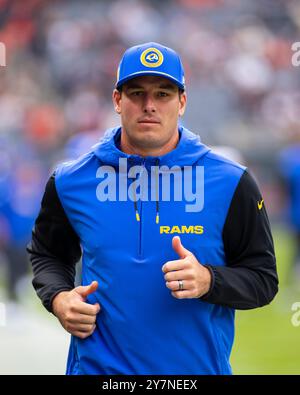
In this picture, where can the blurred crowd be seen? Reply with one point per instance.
(62, 58)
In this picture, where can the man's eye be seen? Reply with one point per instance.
(162, 94)
(136, 93)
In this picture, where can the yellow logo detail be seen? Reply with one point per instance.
(196, 229)
(260, 204)
(152, 57)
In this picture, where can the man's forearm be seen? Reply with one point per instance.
(54, 248)
(241, 287)
(50, 276)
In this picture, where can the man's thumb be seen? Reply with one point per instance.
(178, 248)
(86, 290)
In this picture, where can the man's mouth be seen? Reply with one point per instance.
(149, 121)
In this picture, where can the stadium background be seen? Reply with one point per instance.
(55, 102)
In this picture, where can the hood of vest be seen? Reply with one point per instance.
(187, 152)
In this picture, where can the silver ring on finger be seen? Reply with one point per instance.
(180, 285)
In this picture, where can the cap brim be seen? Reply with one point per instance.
(150, 72)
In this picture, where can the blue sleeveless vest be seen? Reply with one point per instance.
(142, 328)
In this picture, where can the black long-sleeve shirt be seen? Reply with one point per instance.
(248, 280)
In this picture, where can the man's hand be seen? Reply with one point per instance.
(76, 316)
(196, 277)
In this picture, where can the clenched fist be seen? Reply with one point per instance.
(76, 316)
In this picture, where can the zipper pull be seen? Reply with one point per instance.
(157, 218)
(137, 216)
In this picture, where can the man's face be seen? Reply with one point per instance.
(149, 107)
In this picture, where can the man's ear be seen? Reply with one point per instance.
(116, 98)
(182, 103)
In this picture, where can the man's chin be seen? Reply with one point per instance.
(149, 140)
(149, 127)
(149, 132)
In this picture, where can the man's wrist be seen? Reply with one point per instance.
(56, 300)
(210, 281)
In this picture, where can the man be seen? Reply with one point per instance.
(289, 171)
(161, 277)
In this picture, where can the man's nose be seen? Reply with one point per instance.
(149, 104)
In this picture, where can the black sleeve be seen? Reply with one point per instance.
(249, 279)
(54, 248)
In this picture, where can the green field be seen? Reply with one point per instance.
(266, 342)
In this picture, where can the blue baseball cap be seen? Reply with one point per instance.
(150, 59)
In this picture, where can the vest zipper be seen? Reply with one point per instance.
(139, 215)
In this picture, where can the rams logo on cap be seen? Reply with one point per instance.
(152, 57)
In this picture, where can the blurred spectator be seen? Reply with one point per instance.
(289, 167)
(23, 186)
